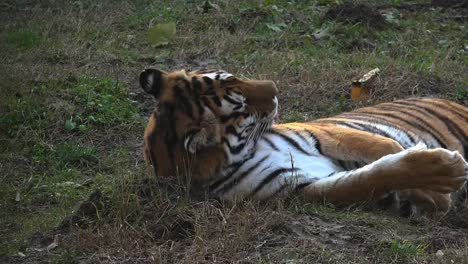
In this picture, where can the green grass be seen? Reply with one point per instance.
(405, 249)
(21, 40)
(100, 102)
(52, 126)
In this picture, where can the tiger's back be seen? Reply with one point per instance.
(434, 122)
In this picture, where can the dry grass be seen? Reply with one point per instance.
(48, 46)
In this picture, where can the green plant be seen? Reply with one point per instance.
(461, 93)
(102, 102)
(405, 249)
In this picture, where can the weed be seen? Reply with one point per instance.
(292, 116)
(461, 94)
(23, 114)
(64, 155)
(405, 249)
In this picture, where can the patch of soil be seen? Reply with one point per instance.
(457, 219)
(450, 3)
(86, 214)
(357, 13)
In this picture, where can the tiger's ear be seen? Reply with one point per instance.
(152, 81)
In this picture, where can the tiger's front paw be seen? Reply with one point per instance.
(439, 170)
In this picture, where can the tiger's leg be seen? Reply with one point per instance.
(350, 144)
(437, 170)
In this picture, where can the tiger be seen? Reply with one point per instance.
(221, 131)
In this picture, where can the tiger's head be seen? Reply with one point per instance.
(204, 119)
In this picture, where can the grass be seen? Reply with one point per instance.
(405, 249)
(72, 118)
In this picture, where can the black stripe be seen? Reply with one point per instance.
(341, 163)
(186, 85)
(232, 131)
(275, 193)
(197, 90)
(299, 135)
(210, 90)
(456, 131)
(209, 82)
(197, 86)
(318, 145)
(295, 190)
(235, 167)
(235, 115)
(237, 107)
(207, 103)
(301, 186)
(441, 104)
(371, 128)
(216, 100)
(183, 102)
(152, 143)
(239, 178)
(166, 126)
(396, 109)
(290, 141)
(234, 150)
(232, 101)
(270, 143)
(448, 123)
(270, 177)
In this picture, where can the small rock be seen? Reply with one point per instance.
(439, 253)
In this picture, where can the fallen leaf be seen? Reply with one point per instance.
(69, 124)
(318, 35)
(276, 27)
(161, 34)
(359, 92)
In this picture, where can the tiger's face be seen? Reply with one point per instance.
(201, 109)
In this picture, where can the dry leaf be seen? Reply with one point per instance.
(161, 34)
(359, 91)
